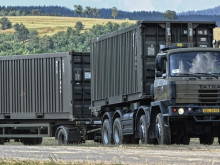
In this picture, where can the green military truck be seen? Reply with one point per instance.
(144, 87)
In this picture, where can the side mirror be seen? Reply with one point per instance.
(213, 43)
(158, 74)
(159, 64)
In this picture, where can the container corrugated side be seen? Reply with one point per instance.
(35, 86)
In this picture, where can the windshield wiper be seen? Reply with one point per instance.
(216, 75)
(211, 74)
(189, 74)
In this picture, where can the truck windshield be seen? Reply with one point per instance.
(195, 63)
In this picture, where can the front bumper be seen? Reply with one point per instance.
(198, 113)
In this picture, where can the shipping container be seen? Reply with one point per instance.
(45, 86)
(123, 62)
(43, 91)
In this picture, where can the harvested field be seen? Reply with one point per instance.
(49, 25)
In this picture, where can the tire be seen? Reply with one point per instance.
(117, 132)
(130, 139)
(106, 132)
(175, 139)
(219, 140)
(29, 141)
(161, 131)
(206, 139)
(2, 141)
(39, 141)
(143, 130)
(185, 140)
(62, 137)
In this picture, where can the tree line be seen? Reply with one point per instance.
(37, 11)
(25, 41)
(107, 13)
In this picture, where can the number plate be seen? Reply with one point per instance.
(210, 110)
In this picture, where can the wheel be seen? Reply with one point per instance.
(117, 132)
(106, 132)
(161, 131)
(143, 130)
(206, 139)
(62, 137)
(175, 139)
(130, 139)
(185, 140)
(2, 142)
(39, 141)
(29, 141)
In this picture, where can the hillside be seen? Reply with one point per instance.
(217, 34)
(211, 11)
(212, 14)
(49, 25)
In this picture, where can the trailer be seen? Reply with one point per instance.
(145, 85)
(46, 95)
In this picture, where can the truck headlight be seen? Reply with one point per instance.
(181, 111)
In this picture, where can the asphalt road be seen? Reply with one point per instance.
(198, 154)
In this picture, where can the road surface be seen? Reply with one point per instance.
(149, 154)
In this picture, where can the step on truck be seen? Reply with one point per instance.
(158, 83)
(46, 95)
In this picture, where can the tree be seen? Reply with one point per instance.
(6, 24)
(170, 14)
(87, 11)
(46, 43)
(36, 12)
(114, 12)
(79, 26)
(21, 32)
(78, 10)
(95, 12)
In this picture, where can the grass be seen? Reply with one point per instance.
(49, 25)
(6, 161)
(194, 142)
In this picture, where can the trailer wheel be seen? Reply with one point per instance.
(62, 137)
(206, 139)
(39, 141)
(185, 140)
(161, 131)
(143, 130)
(2, 141)
(29, 141)
(106, 132)
(117, 132)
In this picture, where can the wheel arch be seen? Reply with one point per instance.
(142, 110)
(109, 116)
(117, 114)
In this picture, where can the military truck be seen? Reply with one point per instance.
(157, 82)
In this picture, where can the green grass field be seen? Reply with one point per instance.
(49, 25)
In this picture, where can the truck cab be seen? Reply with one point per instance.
(187, 88)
